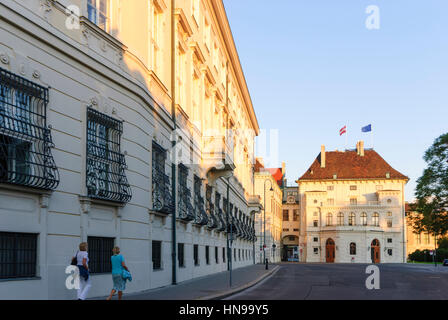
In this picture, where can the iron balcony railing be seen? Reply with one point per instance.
(186, 210)
(161, 194)
(25, 138)
(201, 217)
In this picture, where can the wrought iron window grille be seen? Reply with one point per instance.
(213, 222)
(161, 192)
(186, 210)
(18, 255)
(220, 213)
(25, 138)
(105, 177)
(200, 216)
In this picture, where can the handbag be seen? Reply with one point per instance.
(75, 260)
(126, 275)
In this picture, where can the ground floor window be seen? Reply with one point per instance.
(196, 254)
(353, 249)
(224, 255)
(180, 254)
(157, 255)
(216, 255)
(18, 255)
(100, 252)
(207, 254)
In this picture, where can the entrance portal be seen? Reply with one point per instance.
(375, 251)
(330, 250)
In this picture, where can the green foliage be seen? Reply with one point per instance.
(425, 256)
(432, 191)
(443, 243)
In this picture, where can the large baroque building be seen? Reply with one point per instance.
(268, 224)
(122, 123)
(417, 241)
(352, 209)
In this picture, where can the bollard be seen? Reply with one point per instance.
(266, 264)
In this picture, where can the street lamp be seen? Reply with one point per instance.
(264, 209)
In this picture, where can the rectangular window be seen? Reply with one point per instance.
(285, 215)
(105, 178)
(181, 255)
(296, 230)
(98, 13)
(216, 255)
(315, 223)
(353, 188)
(161, 183)
(379, 188)
(418, 238)
(316, 239)
(100, 251)
(296, 215)
(157, 255)
(207, 254)
(285, 229)
(389, 223)
(316, 250)
(196, 254)
(330, 202)
(353, 201)
(223, 255)
(25, 139)
(330, 188)
(389, 240)
(427, 238)
(18, 255)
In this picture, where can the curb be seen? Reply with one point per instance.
(233, 291)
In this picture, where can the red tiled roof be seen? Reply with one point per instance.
(277, 174)
(349, 165)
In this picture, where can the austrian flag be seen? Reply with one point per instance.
(343, 130)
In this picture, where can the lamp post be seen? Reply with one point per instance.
(264, 209)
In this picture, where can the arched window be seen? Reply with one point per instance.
(353, 249)
(352, 219)
(376, 219)
(364, 219)
(329, 219)
(340, 219)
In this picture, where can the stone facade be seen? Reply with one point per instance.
(291, 225)
(123, 88)
(352, 209)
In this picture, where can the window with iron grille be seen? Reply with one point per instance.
(180, 255)
(106, 178)
(216, 255)
(186, 211)
(196, 254)
(162, 199)
(157, 255)
(207, 254)
(100, 252)
(18, 255)
(224, 255)
(25, 139)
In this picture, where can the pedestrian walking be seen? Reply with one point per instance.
(120, 273)
(82, 261)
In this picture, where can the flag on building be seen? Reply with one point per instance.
(343, 130)
(367, 128)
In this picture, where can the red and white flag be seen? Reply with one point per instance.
(343, 130)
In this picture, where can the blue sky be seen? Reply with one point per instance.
(312, 67)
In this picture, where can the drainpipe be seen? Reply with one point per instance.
(173, 153)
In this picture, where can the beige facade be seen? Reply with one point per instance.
(268, 224)
(153, 74)
(347, 218)
(291, 225)
(417, 241)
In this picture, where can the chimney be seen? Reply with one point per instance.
(322, 156)
(361, 148)
(357, 148)
(283, 168)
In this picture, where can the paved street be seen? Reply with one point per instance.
(347, 282)
(207, 286)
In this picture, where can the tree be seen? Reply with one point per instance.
(432, 192)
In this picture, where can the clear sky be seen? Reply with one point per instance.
(312, 67)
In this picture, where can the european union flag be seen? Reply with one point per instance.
(367, 128)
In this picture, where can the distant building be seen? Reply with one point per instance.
(352, 209)
(268, 225)
(291, 225)
(417, 241)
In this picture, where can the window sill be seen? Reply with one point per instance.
(20, 279)
(158, 270)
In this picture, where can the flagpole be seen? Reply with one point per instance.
(346, 138)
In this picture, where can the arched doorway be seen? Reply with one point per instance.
(330, 249)
(375, 251)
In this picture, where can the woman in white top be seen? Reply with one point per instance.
(82, 258)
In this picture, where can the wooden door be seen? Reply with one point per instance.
(375, 251)
(330, 250)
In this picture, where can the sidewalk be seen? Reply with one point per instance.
(215, 286)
